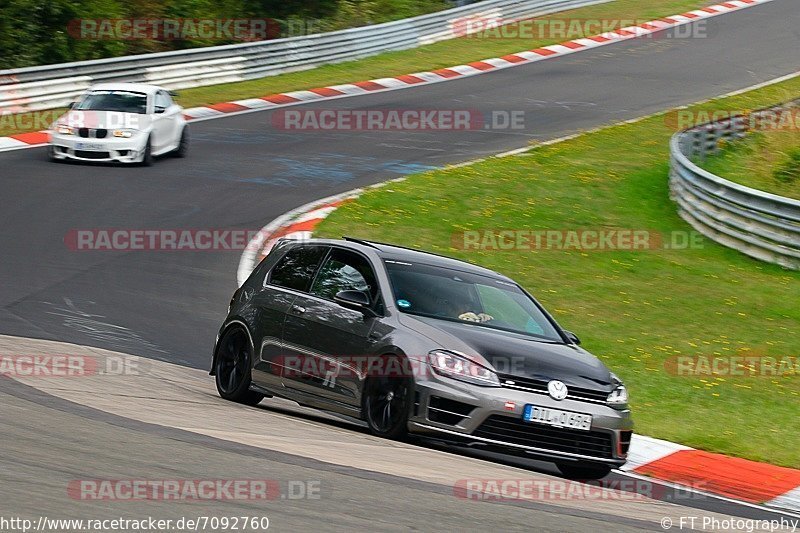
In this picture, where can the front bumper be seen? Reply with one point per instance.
(491, 417)
(109, 149)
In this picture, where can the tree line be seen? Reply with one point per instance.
(41, 32)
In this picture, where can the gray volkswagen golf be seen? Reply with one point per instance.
(412, 342)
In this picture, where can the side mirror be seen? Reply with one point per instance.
(355, 300)
(71, 105)
(160, 109)
(572, 337)
(173, 94)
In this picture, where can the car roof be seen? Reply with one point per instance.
(133, 87)
(393, 252)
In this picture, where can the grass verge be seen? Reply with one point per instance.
(438, 55)
(637, 310)
(768, 161)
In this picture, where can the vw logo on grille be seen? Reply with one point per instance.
(557, 390)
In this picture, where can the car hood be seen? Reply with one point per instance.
(104, 120)
(516, 354)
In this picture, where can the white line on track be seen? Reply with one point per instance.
(466, 71)
(249, 257)
(684, 488)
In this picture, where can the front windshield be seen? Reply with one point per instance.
(453, 295)
(120, 101)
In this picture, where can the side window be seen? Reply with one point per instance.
(296, 269)
(345, 271)
(163, 100)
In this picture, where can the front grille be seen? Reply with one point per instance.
(86, 154)
(447, 411)
(540, 386)
(516, 431)
(96, 133)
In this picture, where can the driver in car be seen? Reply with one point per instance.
(462, 312)
(469, 316)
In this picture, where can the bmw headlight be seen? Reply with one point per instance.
(459, 367)
(63, 129)
(619, 396)
(125, 134)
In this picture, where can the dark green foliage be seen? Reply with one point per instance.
(37, 32)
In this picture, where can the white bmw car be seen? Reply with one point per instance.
(122, 122)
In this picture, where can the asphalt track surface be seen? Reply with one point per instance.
(242, 172)
(161, 421)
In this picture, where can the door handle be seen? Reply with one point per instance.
(298, 309)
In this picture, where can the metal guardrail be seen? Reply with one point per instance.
(762, 225)
(49, 86)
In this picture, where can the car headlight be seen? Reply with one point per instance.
(126, 134)
(619, 396)
(63, 129)
(459, 367)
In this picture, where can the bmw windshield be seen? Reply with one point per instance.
(458, 296)
(120, 101)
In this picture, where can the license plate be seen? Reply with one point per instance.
(557, 418)
(89, 146)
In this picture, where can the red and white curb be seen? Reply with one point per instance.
(250, 105)
(713, 473)
(23, 140)
(298, 223)
(703, 472)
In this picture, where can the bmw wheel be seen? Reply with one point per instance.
(183, 144)
(51, 154)
(147, 156)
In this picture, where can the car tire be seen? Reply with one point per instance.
(183, 144)
(51, 154)
(147, 158)
(583, 471)
(387, 402)
(232, 370)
